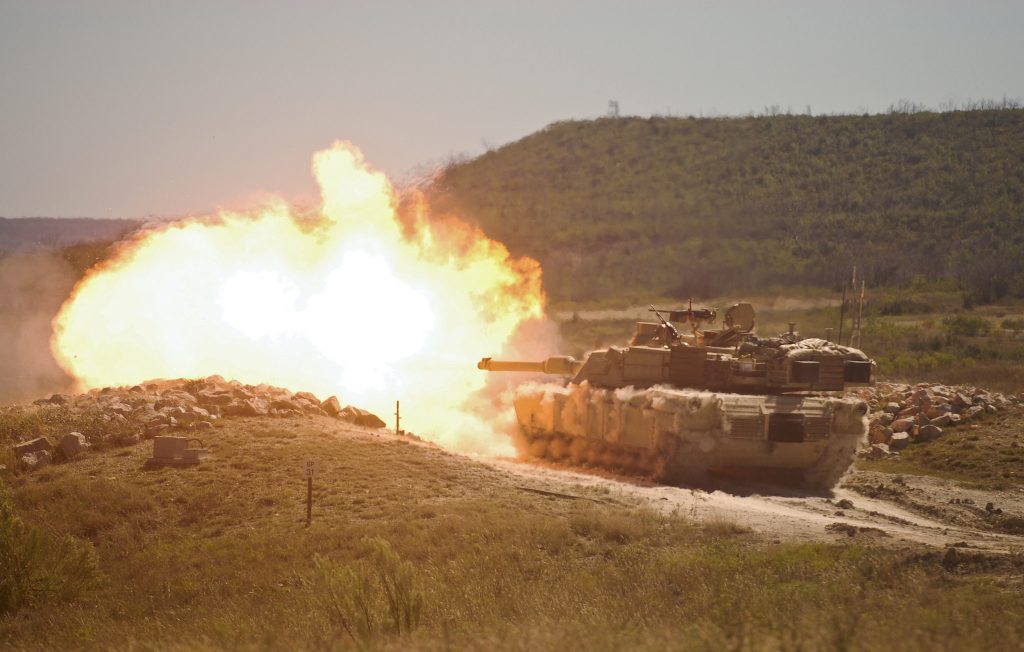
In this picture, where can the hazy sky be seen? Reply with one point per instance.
(129, 109)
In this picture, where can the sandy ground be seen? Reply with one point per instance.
(887, 509)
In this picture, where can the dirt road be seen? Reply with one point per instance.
(897, 510)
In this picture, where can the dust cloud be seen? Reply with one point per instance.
(32, 288)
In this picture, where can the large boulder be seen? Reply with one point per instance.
(902, 425)
(72, 444)
(331, 406)
(942, 420)
(308, 397)
(285, 404)
(879, 434)
(33, 446)
(972, 412)
(899, 441)
(35, 459)
(929, 433)
(936, 411)
(360, 417)
(251, 407)
(209, 397)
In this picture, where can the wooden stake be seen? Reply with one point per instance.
(309, 500)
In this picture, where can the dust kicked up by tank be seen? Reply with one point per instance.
(351, 300)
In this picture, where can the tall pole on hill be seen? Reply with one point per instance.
(842, 315)
(855, 336)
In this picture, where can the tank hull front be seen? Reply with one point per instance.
(682, 434)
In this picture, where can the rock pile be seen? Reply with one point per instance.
(903, 414)
(127, 415)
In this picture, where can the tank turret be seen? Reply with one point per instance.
(732, 359)
(681, 400)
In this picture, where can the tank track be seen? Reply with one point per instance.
(674, 435)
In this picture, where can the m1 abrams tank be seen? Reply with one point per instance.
(676, 406)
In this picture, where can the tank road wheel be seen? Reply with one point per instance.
(595, 451)
(646, 460)
(538, 447)
(609, 457)
(692, 467)
(558, 449)
(578, 450)
(661, 464)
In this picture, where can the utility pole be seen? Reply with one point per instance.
(855, 336)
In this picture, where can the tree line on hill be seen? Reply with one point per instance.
(703, 206)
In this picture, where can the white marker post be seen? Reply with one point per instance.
(309, 469)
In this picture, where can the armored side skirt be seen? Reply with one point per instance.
(681, 434)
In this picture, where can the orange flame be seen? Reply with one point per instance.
(346, 303)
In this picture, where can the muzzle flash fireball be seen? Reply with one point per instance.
(344, 302)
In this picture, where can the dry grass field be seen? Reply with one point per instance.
(412, 547)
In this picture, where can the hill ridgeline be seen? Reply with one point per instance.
(701, 206)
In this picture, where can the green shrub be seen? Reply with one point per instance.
(967, 325)
(36, 569)
(902, 306)
(56, 421)
(378, 595)
(1013, 324)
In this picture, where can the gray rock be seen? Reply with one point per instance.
(361, 417)
(902, 425)
(32, 446)
(943, 420)
(155, 429)
(331, 406)
(72, 444)
(174, 412)
(936, 411)
(252, 407)
(286, 404)
(128, 440)
(211, 397)
(35, 460)
(899, 441)
(879, 434)
(875, 452)
(308, 397)
(991, 409)
(929, 433)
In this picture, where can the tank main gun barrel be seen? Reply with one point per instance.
(557, 365)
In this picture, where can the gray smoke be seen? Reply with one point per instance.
(32, 288)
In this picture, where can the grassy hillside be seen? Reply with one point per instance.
(414, 548)
(702, 206)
